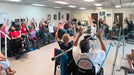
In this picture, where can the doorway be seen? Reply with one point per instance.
(95, 17)
(118, 18)
(67, 17)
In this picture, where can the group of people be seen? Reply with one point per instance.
(18, 36)
(46, 31)
(84, 51)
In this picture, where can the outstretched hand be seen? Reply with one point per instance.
(73, 26)
(57, 28)
(7, 20)
(80, 32)
(99, 34)
(20, 18)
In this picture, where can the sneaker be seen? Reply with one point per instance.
(23, 49)
(18, 56)
(53, 41)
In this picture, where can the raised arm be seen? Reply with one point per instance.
(3, 23)
(7, 23)
(99, 35)
(27, 23)
(74, 32)
(90, 20)
(56, 34)
(63, 20)
(76, 41)
(20, 22)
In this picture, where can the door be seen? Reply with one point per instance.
(67, 17)
(95, 17)
(118, 18)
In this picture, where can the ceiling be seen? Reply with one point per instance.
(78, 3)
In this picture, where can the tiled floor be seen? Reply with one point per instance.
(39, 62)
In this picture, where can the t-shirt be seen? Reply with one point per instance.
(61, 26)
(4, 31)
(50, 26)
(63, 47)
(24, 29)
(96, 56)
(32, 34)
(93, 30)
(14, 34)
(66, 26)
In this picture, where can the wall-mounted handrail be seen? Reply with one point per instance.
(6, 36)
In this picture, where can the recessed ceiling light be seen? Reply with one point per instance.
(89, 0)
(14, 0)
(57, 7)
(82, 8)
(99, 7)
(71, 6)
(61, 2)
(118, 6)
(98, 4)
(38, 5)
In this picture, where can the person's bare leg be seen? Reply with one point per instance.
(129, 62)
(8, 72)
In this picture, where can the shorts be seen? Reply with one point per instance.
(5, 64)
(131, 56)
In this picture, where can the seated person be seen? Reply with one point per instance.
(44, 32)
(93, 27)
(16, 44)
(4, 65)
(130, 59)
(67, 43)
(84, 52)
(66, 26)
(130, 24)
(3, 29)
(51, 27)
(61, 26)
(70, 23)
(32, 36)
(24, 29)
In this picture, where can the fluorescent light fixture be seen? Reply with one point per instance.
(99, 7)
(38, 5)
(14, 0)
(89, 0)
(118, 6)
(61, 2)
(57, 7)
(98, 4)
(82, 8)
(71, 6)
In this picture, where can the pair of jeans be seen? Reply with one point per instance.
(71, 31)
(64, 30)
(48, 36)
(32, 39)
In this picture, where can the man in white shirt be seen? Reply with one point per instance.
(84, 52)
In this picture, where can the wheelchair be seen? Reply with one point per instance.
(62, 61)
(81, 69)
(84, 66)
(16, 47)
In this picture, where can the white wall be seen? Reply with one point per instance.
(109, 20)
(15, 11)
